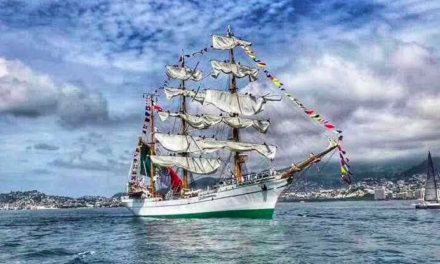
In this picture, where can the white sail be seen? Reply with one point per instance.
(236, 103)
(205, 121)
(194, 165)
(181, 143)
(183, 73)
(173, 92)
(225, 43)
(193, 144)
(237, 70)
(265, 150)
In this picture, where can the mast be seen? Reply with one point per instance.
(184, 127)
(235, 131)
(152, 146)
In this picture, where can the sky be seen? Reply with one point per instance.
(72, 74)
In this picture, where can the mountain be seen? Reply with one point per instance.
(328, 176)
(119, 195)
(203, 182)
(421, 168)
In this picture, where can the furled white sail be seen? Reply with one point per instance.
(181, 143)
(238, 70)
(205, 121)
(238, 122)
(198, 121)
(192, 144)
(263, 149)
(183, 73)
(235, 103)
(194, 165)
(173, 92)
(224, 43)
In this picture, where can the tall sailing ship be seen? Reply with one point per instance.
(168, 160)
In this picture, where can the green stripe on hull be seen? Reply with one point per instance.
(256, 214)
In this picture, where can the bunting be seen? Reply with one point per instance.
(345, 168)
(136, 167)
(146, 119)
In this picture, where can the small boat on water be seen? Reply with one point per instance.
(430, 201)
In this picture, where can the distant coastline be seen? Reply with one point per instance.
(35, 200)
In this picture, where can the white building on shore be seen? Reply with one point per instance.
(380, 193)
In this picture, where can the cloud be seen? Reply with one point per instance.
(106, 151)
(110, 166)
(25, 93)
(91, 138)
(133, 37)
(44, 146)
(382, 91)
(82, 155)
(41, 171)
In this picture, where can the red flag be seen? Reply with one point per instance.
(329, 126)
(157, 108)
(176, 182)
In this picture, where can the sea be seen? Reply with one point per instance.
(320, 232)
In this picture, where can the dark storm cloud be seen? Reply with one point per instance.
(41, 171)
(45, 146)
(25, 93)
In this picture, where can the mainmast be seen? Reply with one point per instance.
(235, 131)
(184, 126)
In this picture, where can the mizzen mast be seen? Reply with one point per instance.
(235, 131)
(150, 98)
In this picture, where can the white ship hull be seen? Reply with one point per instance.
(256, 199)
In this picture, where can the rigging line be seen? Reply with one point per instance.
(285, 102)
(209, 74)
(197, 145)
(198, 89)
(299, 137)
(267, 161)
(225, 165)
(329, 158)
